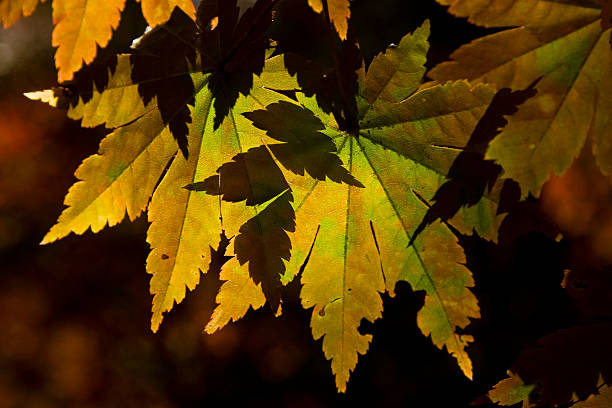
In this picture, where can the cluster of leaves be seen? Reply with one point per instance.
(347, 174)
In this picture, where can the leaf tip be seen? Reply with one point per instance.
(156, 320)
(46, 96)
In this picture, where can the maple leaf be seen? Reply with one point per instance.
(167, 52)
(263, 242)
(356, 230)
(12, 10)
(138, 162)
(81, 26)
(338, 12)
(563, 45)
(255, 177)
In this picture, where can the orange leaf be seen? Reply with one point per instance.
(80, 26)
(12, 10)
(157, 12)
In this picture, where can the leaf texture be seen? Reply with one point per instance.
(563, 48)
(120, 178)
(133, 159)
(237, 294)
(81, 26)
(357, 231)
(185, 222)
(13, 10)
(119, 103)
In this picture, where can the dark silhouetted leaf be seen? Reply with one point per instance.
(325, 65)
(252, 176)
(161, 70)
(233, 44)
(568, 365)
(472, 179)
(307, 149)
(263, 243)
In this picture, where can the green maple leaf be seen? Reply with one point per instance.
(355, 223)
(511, 391)
(563, 45)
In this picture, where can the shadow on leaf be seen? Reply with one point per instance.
(252, 176)
(161, 70)
(233, 45)
(96, 75)
(325, 66)
(263, 243)
(306, 149)
(471, 176)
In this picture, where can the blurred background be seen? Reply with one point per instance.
(74, 315)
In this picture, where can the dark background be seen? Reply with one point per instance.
(75, 314)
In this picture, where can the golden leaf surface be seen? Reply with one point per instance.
(81, 26)
(125, 173)
(355, 224)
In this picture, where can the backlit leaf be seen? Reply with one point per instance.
(236, 295)
(362, 228)
(81, 26)
(183, 223)
(563, 45)
(120, 178)
(119, 104)
(12, 10)
(159, 11)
